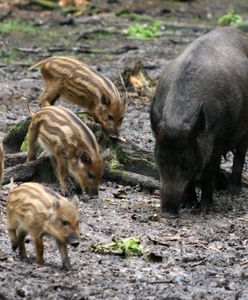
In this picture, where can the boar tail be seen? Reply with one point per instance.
(40, 63)
(11, 184)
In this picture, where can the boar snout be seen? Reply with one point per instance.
(74, 243)
(72, 239)
(171, 199)
(92, 191)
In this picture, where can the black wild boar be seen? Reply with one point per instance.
(200, 112)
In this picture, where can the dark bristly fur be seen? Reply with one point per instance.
(199, 113)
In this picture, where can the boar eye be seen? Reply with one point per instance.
(85, 158)
(90, 175)
(110, 118)
(64, 222)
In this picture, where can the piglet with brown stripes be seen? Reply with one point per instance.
(37, 210)
(71, 145)
(77, 82)
(1, 164)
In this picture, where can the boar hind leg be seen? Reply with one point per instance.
(21, 243)
(39, 250)
(49, 95)
(238, 162)
(64, 254)
(190, 198)
(32, 143)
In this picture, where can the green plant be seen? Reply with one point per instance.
(125, 247)
(9, 26)
(24, 145)
(9, 56)
(231, 18)
(144, 31)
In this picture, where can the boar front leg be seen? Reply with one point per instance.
(13, 238)
(39, 250)
(238, 163)
(207, 181)
(62, 171)
(64, 254)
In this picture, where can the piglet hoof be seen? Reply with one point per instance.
(66, 266)
(14, 246)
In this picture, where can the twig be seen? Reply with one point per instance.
(178, 238)
(124, 86)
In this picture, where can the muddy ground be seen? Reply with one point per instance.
(199, 255)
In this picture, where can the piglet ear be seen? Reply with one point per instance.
(105, 100)
(56, 205)
(75, 201)
(85, 158)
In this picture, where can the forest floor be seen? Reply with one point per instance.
(193, 256)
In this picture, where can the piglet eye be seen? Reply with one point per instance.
(110, 118)
(90, 175)
(85, 158)
(64, 222)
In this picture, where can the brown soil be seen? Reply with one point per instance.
(200, 255)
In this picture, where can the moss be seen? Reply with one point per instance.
(84, 116)
(24, 146)
(115, 166)
(10, 56)
(15, 136)
(9, 26)
(122, 157)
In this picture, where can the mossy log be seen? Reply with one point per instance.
(125, 163)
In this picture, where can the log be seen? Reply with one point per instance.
(125, 163)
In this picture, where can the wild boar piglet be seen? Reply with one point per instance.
(80, 84)
(71, 145)
(35, 210)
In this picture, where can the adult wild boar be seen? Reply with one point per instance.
(200, 112)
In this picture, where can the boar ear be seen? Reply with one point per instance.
(202, 122)
(85, 158)
(105, 100)
(155, 118)
(75, 201)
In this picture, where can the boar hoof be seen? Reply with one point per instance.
(235, 189)
(14, 246)
(205, 207)
(169, 212)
